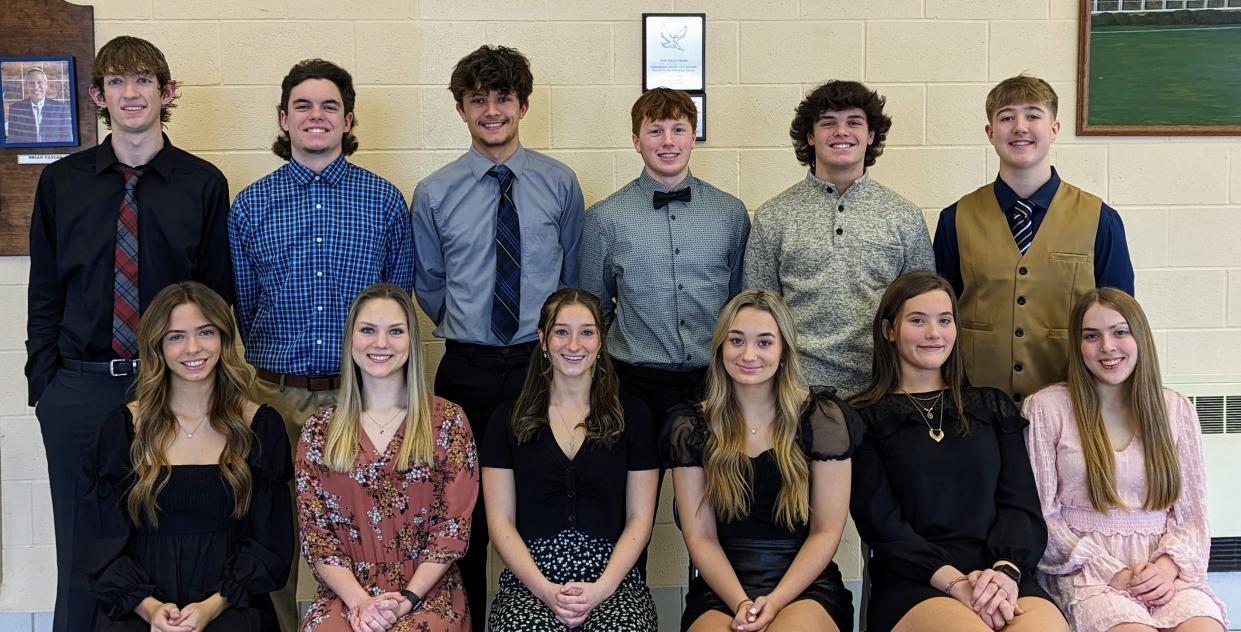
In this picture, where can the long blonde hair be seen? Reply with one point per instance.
(341, 446)
(729, 473)
(1163, 473)
(155, 423)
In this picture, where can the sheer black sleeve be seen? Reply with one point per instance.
(830, 429)
(1019, 533)
(263, 559)
(100, 563)
(684, 437)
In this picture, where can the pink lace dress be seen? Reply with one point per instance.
(1085, 548)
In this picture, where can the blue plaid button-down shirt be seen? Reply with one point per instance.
(304, 245)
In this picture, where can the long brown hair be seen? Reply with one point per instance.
(1145, 392)
(885, 366)
(155, 425)
(340, 448)
(728, 471)
(606, 420)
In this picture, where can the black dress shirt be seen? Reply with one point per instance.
(182, 235)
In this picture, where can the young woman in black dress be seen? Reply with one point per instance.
(569, 476)
(942, 488)
(761, 471)
(187, 523)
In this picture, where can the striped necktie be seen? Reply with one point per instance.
(1021, 223)
(125, 283)
(506, 297)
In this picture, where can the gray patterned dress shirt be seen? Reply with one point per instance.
(669, 270)
(831, 257)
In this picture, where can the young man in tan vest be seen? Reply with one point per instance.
(1021, 250)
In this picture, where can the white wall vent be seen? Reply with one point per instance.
(1218, 414)
(1218, 401)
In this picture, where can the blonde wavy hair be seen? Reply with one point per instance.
(729, 473)
(341, 447)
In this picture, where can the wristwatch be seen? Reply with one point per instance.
(415, 602)
(1008, 570)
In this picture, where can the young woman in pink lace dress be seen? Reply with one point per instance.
(1118, 463)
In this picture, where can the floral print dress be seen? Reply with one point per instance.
(381, 522)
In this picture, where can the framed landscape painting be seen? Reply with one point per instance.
(1159, 67)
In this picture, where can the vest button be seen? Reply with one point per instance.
(840, 231)
(1018, 367)
(1021, 300)
(841, 208)
(1022, 271)
(1020, 332)
(1016, 397)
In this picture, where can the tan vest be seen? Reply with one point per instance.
(1014, 311)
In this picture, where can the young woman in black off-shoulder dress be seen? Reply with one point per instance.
(187, 523)
(761, 471)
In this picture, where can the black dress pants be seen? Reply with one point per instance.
(70, 411)
(479, 378)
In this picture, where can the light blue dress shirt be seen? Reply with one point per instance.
(454, 222)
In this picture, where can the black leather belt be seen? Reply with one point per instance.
(114, 368)
(308, 382)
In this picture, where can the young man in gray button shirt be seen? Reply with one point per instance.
(663, 254)
(832, 243)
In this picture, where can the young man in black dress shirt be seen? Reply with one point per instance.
(83, 306)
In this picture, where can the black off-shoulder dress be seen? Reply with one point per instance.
(967, 500)
(759, 547)
(198, 548)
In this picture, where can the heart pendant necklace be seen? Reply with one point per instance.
(935, 433)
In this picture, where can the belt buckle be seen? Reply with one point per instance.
(127, 367)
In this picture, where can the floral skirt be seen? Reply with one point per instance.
(572, 556)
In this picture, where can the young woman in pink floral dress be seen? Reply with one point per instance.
(1118, 463)
(386, 481)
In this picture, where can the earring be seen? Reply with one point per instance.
(545, 355)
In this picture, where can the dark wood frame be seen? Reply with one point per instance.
(72, 99)
(1083, 98)
(703, 16)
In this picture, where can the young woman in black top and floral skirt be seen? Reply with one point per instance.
(942, 488)
(569, 476)
(761, 471)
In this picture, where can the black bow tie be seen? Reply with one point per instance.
(662, 199)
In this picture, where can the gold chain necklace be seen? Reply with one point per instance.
(937, 434)
(384, 427)
(572, 430)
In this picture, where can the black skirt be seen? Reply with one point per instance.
(759, 565)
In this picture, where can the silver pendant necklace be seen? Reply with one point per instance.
(189, 434)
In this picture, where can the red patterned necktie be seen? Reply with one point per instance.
(125, 287)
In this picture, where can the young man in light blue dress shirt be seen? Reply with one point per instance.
(487, 308)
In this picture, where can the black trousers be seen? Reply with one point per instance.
(479, 378)
(659, 389)
(70, 411)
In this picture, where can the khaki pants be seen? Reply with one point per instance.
(294, 405)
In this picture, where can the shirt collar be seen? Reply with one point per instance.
(333, 173)
(162, 163)
(649, 185)
(1006, 196)
(480, 164)
(827, 187)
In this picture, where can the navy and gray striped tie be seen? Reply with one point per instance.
(506, 298)
(1021, 222)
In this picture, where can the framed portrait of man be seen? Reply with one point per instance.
(39, 107)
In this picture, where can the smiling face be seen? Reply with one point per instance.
(191, 345)
(133, 102)
(379, 342)
(840, 139)
(924, 332)
(665, 146)
(572, 341)
(1022, 135)
(753, 347)
(35, 86)
(493, 118)
(316, 121)
(1109, 348)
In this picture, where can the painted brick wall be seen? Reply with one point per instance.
(934, 59)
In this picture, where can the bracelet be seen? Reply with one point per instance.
(1009, 570)
(738, 608)
(948, 588)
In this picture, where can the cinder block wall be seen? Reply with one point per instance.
(934, 59)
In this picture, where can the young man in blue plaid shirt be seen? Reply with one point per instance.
(307, 238)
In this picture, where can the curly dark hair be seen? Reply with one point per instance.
(835, 96)
(493, 68)
(316, 69)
